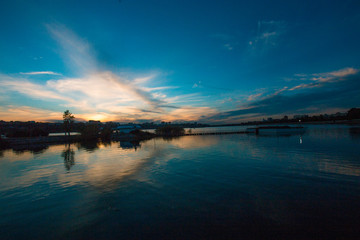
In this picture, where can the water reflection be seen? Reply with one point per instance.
(199, 182)
(89, 146)
(129, 145)
(105, 143)
(69, 157)
(35, 148)
(355, 133)
(190, 142)
(344, 169)
(170, 138)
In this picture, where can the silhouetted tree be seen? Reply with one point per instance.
(353, 113)
(68, 121)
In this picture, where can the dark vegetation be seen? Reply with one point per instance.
(4, 144)
(353, 113)
(92, 131)
(26, 132)
(141, 134)
(170, 130)
(9, 127)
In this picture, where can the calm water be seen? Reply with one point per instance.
(193, 187)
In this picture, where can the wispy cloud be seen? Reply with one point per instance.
(95, 83)
(253, 97)
(267, 36)
(41, 73)
(319, 79)
(189, 113)
(106, 96)
(76, 52)
(98, 93)
(229, 46)
(197, 85)
(304, 86)
(24, 112)
(28, 88)
(340, 91)
(229, 42)
(343, 72)
(334, 75)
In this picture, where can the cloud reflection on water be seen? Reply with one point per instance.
(105, 165)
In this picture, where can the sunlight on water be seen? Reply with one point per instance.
(187, 187)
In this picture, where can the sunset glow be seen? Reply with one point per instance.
(116, 70)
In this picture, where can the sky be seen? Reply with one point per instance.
(158, 60)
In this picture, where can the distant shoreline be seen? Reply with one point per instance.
(28, 143)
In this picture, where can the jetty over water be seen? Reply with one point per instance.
(257, 130)
(216, 133)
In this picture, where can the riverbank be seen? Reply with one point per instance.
(42, 142)
(138, 135)
(36, 142)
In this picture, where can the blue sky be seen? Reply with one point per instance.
(206, 61)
